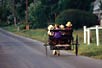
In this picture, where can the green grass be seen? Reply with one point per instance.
(38, 34)
(91, 50)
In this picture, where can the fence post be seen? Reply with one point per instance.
(97, 36)
(88, 36)
(84, 34)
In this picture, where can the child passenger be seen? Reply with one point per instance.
(69, 34)
(57, 36)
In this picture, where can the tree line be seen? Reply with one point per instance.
(40, 12)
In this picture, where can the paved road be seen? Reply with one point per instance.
(19, 52)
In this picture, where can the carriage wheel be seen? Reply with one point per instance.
(76, 46)
(76, 50)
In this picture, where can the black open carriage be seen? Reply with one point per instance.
(66, 42)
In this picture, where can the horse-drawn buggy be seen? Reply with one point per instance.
(63, 41)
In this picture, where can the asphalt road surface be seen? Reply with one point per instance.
(21, 52)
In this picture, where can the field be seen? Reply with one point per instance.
(86, 50)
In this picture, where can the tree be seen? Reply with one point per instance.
(18, 8)
(75, 4)
(51, 7)
(78, 18)
(54, 7)
(4, 10)
(37, 15)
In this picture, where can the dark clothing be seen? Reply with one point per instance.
(69, 34)
(70, 30)
(57, 34)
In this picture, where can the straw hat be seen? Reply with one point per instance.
(62, 26)
(50, 27)
(68, 24)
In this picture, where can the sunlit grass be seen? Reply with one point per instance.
(91, 50)
(38, 34)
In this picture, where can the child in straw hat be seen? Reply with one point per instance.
(57, 36)
(50, 27)
(69, 24)
(69, 32)
(62, 27)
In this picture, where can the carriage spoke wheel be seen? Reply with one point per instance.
(76, 46)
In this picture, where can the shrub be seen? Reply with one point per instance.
(77, 17)
(37, 15)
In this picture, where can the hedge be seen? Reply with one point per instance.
(78, 18)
